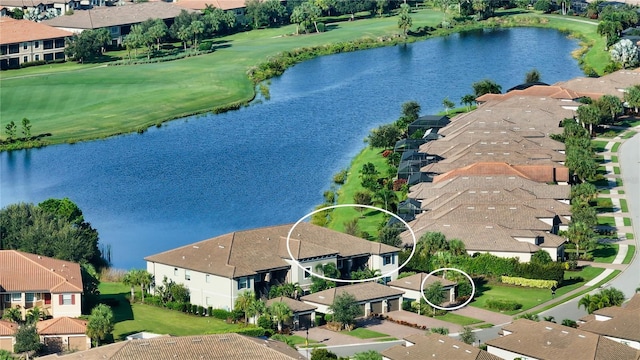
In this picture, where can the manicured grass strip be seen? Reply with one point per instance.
(630, 236)
(604, 253)
(362, 333)
(527, 297)
(629, 135)
(133, 318)
(630, 252)
(578, 294)
(606, 220)
(483, 326)
(627, 221)
(299, 340)
(614, 159)
(616, 170)
(458, 319)
(604, 192)
(615, 147)
(623, 205)
(604, 205)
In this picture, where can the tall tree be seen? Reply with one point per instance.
(385, 197)
(468, 100)
(27, 339)
(434, 294)
(610, 106)
(26, 128)
(448, 104)
(244, 302)
(467, 336)
(485, 86)
(345, 309)
(385, 136)
(609, 29)
(580, 234)
(632, 97)
(362, 198)
(404, 19)
(625, 52)
(130, 279)
(532, 76)
(100, 323)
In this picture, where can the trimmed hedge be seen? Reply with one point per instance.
(542, 284)
(221, 314)
(503, 305)
(494, 266)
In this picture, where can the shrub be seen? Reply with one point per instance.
(201, 310)
(319, 320)
(542, 284)
(340, 177)
(386, 153)
(503, 305)
(266, 322)
(328, 318)
(209, 310)
(220, 314)
(194, 309)
(252, 331)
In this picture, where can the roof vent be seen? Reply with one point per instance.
(440, 340)
(548, 328)
(182, 257)
(221, 246)
(582, 336)
(196, 247)
(456, 346)
(468, 351)
(197, 340)
(565, 332)
(548, 342)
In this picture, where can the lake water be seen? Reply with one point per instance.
(270, 162)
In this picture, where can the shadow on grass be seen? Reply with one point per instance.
(604, 251)
(120, 306)
(482, 285)
(330, 27)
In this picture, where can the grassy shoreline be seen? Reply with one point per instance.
(114, 100)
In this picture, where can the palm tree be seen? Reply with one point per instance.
(281, 313)
(549, 319)
(34, 314)
(585, 301)
(385, 197)
(256, 308)
(468, 100)
(145, 279)
(244, 303)
(579, 233)
(130, 279)
(12, 314)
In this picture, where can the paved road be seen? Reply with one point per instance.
(629, 280)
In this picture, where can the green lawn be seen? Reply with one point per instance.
(614, 159)
(458, 319)
(531, 297)
(604, 205)
(606, 220)
(629, 236)
(599, 145)
(76, 102)
(363, 333)
(626, 221)
(604, 253)
(134, 318)
(629, 134)
(369, 220)
(616, 170)
(630, 252)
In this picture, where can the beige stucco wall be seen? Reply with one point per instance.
(296, 274)
(507, 355)
(376, 262)
(60, 310)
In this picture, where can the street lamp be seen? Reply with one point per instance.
(306, 341)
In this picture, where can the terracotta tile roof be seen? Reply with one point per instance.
(8, 328)
(436, 346)
(546, 340)
(617, 322)
(366, 291)
(414, 282)
(24, 272)
(220, 4)
(295, 305)
(210, 347)
(541, 173)
(248, 252)
(105, 16)
(491, 137)
(14, 31)
(61, 326)
(22, 3)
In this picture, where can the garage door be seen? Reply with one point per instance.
(376, 307)
(6, 344)
(394, 304)
(78, 343)
(305, 321)
(362, 307)
(53, 344)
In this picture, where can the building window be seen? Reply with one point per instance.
(340, 264)
(243, 283)
(29, 297)
(175, 271)
(207, 278)
(388, 259)
(7, 297)
(15, 297)
(307, 272)
(37, 57)
(187, 275)
(48, 57)
(25, 59)
(67, 299)
(36, 44)
(47, 44)
(386, 279)
(24, 46)
(14, 48)
(59, 43)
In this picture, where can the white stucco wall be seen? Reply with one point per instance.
(296, 274)
(59, 310)
(376, 262)
(631, 343)
(507, 355)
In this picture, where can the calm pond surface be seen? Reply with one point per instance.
(270, 162)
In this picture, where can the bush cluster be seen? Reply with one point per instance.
(542, 284)
(503, 305)
(494, 266)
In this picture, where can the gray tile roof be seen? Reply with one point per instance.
(546, 340)
(618, 322)
(436, 346)
(295, 305)
(363, 292)
(248, 252)
(414, 282)
(608, 84)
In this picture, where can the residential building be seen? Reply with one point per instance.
(610, 84)
(526, 339)
(7, 335)
(59, 7)
(117, 19)
(413, 286)
(23, 41)
(29, 280)
(64, 334)
(228, 346)
(620, 324)
(218, 269)
(373, 298)
(303, 314)
(435, 346)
